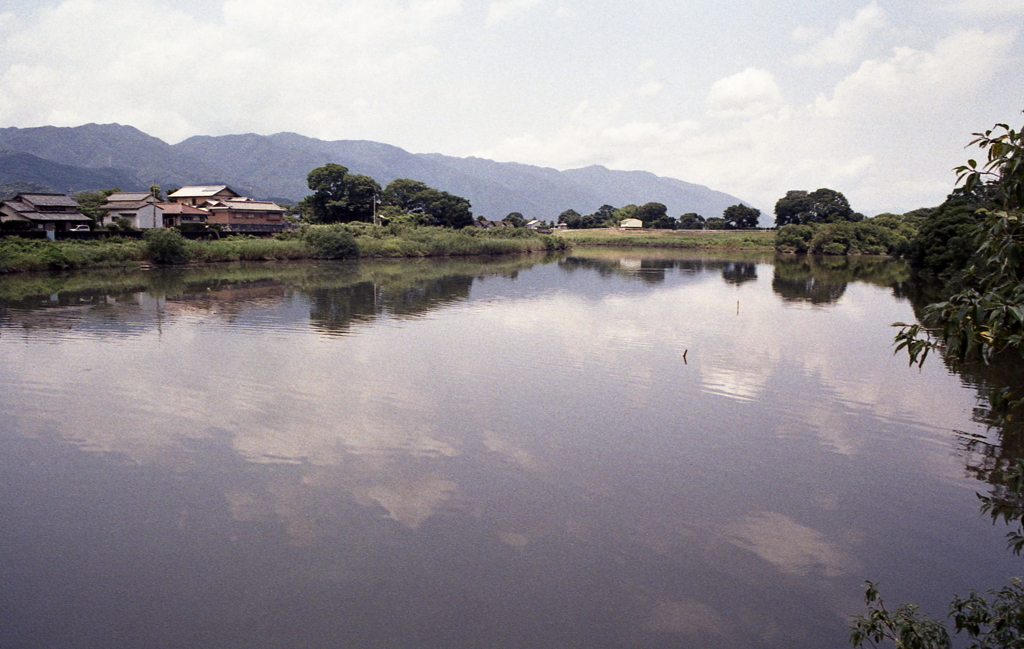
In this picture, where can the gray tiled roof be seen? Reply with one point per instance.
(56, 216)
(18, 206)
(48, 200)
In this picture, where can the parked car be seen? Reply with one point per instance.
(80, 228)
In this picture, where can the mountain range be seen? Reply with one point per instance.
(99, 156)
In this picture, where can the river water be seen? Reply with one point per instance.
(606, 449)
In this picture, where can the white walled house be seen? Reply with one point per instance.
(166, 215)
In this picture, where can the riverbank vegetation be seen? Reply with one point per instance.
(338, 241)
(691, 239)
(886, 234)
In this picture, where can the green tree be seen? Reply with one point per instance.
(340, 197)
(740, 216)
(606, 216)
(650, 213)
(945, 241)
(626, 212)
(691, 221)
(516, 219)
(440, 208)
(571, 218)
(820, 206)
(985, 317)
(402, 193)
(447, 210)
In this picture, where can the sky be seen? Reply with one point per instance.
(874, 98)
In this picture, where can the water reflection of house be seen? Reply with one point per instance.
(49, 212)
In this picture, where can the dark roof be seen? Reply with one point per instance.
(33, 215)
(56, 216)
(17, 206)
(47, 200)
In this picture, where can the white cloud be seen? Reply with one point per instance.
(873, 136)
(804, 34)
(190, 76)
(505, 10)
(650, 89)
(846, 43)
(988, 6)
(957, 66)
(748, 94)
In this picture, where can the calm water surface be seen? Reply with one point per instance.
(611, 449)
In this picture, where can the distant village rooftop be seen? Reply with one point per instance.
(203, 191)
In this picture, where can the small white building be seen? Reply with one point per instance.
(165, 215)
(125, 205)
(631, 224)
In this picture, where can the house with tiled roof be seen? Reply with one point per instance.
(51, 212)
(246, 215)
(126, 205)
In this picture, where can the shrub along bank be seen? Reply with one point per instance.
(886, 234)
(339, 241)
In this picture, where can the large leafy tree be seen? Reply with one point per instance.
(439, 208)
(820, 206)
(446, 209)
(986, 317)
(338, 196)
(740, 216)
(571, 218)
(515, 219)
(403, 192)
(606, 216)
(691, 221)
(651, 213)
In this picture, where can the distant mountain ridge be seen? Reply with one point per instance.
(97, 156)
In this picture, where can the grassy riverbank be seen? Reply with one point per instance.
(18, 254)
(693, 239)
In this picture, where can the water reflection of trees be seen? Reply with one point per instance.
(336, 309)
(986, 455)
(823, 280)
(340, 294)
(653, 271)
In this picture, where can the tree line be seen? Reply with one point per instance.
(341, 197)
(655, 215)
